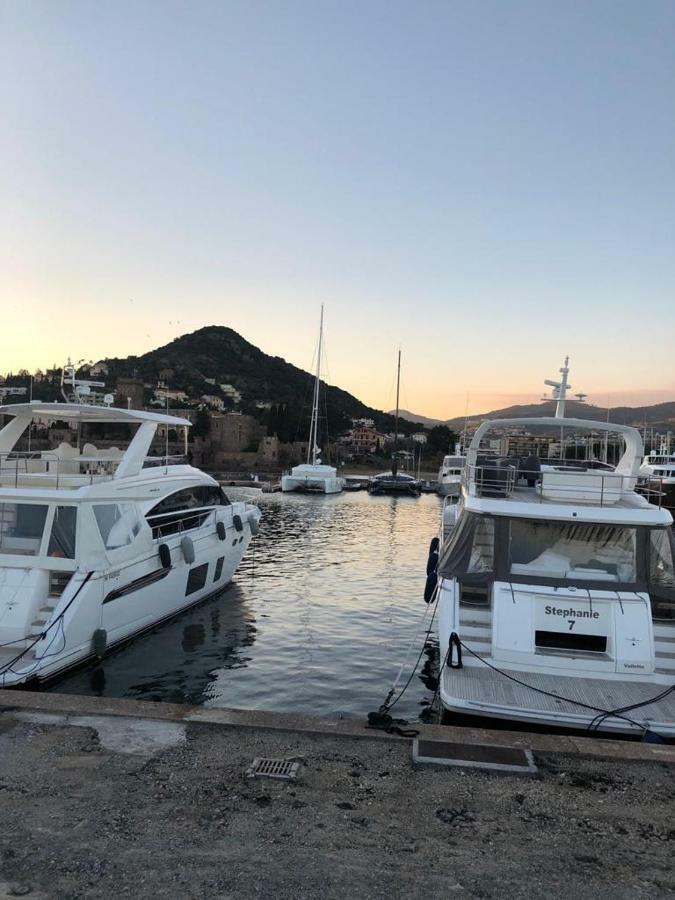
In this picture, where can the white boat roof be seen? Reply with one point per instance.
(85, 412)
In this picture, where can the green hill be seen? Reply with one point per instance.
(219, 353)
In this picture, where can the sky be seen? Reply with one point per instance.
(488, 185)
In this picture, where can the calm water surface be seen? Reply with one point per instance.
(318, 618)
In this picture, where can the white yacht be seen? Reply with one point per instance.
(556, 591)
(450, 473)
(98, 545)
(313, 477)
(661, 465)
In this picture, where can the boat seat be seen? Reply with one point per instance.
(66, 459)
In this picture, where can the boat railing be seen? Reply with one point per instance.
(559, 482)
(179, 520)
(36, 468)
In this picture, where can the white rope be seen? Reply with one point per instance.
(412, 643)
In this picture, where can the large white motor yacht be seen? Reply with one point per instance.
(313, 477)
(556, 590)
(99, 545)
(450, 473)
(661, 465)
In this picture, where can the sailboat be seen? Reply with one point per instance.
(395, 482)
(313, 477)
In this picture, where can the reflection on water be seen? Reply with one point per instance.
(318, 618)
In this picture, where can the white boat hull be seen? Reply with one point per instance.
(130, 599)
(311, 485)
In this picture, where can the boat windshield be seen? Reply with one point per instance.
(572, 551)
(21, 528)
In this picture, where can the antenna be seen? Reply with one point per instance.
(560, 389)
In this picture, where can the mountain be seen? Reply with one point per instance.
(414, 417)
(219, 353)
(660, 416)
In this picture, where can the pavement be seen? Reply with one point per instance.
(110, 798)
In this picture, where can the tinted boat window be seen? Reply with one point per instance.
(21, 528)
(196, 579)
(62, 538)
(174, 512)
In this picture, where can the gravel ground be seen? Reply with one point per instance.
(179, 819)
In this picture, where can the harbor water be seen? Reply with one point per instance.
(318, 619)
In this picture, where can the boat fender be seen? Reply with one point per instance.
(455, 645)
(165, 556)
(221, 531)
(238, 524)
(434, 545)
(99, 642)
(253, 524)
(188, 549)
(430, 587)
(432, 562)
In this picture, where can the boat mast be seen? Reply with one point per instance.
(313, 448)
(394, 461)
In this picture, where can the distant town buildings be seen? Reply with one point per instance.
(362, 439)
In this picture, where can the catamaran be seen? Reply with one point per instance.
(98, 545)
(313, 477)
(555, 588)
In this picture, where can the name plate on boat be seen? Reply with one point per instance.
(565, 615)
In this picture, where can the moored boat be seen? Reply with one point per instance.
(556, 590)
(313, 477)
(98, 545)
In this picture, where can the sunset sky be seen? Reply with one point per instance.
(489, 185)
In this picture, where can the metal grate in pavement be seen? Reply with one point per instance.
(279, 769)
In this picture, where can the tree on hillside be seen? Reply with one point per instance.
(441, 439)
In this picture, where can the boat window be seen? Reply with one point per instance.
(482, 557)
(173, 513)
(662, 573)
(580, 552)
(62, 538)
(21, 528)
(118, 523)
(219, 568)
(196, 579)
(469, 551)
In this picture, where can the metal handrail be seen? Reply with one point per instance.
(15, 462)
(503, 481)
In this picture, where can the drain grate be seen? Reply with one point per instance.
(279, 769)
(508, 760)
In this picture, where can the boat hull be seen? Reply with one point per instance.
(127, 601)
(311, 485)
(394, 488)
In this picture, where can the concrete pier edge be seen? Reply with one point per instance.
(540, 744)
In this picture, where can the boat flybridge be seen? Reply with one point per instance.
(98, 545)
(556, 589)
(313, 477)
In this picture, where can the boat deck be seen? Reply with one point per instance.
(483, 687)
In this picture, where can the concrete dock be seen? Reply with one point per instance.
(108, 798)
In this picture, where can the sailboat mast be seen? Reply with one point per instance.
(314, 425)
(394, 464)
